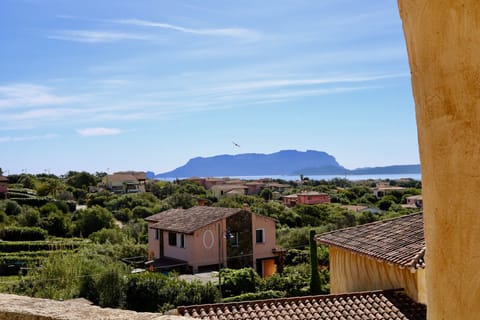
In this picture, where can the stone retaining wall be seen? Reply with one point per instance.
(13, 307)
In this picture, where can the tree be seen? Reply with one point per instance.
(80, 180)
(93, 219)
(315, 284)
(266, 194)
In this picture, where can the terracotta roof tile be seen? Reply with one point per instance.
(389, 304)
(189, 220)
(399, 241)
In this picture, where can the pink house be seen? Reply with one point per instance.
(310, 197)
(209, 238)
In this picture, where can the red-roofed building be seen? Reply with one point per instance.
(309, 197)
(380, 255)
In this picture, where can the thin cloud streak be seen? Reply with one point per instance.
(29, 138)
(28, 95)
(224, 32)
(90, 132)
(271, 84)
(93, 36)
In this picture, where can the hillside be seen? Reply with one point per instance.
(285, 162)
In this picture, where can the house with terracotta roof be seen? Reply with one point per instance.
(308, 197)
(377, 271)
(386, 305)
(380, 255)
(225, 190)
(3, 187)
(125, 182)
(414, 202)
(209, 238)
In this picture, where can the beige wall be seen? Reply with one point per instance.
(263, 250)
(205, 246)
(153, 245)
(444, 52)
(351, 272)
(201, 248)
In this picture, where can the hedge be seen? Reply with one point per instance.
(9, 246)
(23, 234)
(269, 294)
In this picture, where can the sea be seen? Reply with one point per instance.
(353, 177)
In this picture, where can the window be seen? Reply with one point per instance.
(180, 240)
(233, 237)
(259, 236)
(157, 234)
(172, 239)
(176, 239)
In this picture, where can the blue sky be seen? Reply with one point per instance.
(108, 85)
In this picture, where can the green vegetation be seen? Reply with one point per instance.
(62, 238)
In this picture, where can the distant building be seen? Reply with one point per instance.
(309, 197)
(3, 187)
(414, 201)
(224, 190)
(383, 188)
(125, 182)
(206, 238)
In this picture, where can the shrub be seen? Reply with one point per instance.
(269, 294)
(239, 281)
(113, 236)
(22, 234)
(93, 219)
(155, 292)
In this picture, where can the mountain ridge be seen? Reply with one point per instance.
(284, 162)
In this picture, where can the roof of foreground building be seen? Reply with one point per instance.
(400, 241)
(389, 304)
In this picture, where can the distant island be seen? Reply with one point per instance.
(285, 162)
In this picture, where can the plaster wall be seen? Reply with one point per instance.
(351, 272)
(443, 45)
(263, 249)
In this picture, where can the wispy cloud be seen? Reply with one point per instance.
(89, 132)
(95, 36)
(224, 32)
(27, 138)
(27, 95)
(277, 83)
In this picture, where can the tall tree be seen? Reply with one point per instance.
(315, 285)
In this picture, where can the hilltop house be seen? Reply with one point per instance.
(382, 255)
(207, 238)
(309, 197)
(125, 182)
(3, 187)
(224, 190)
(383, 188)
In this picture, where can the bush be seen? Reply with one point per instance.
(239, 281)
(113, 236)
(294, 281)
(22, 234)
(93, 219)
(153, 292)
(269, 294)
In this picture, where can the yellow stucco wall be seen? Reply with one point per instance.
(443, 45)
(351, 272)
